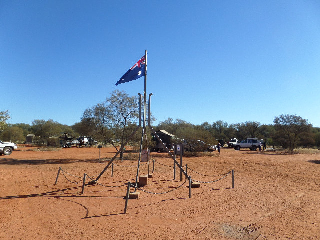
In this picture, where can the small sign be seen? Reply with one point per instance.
(178, 149)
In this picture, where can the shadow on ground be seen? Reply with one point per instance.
(12, 161)
(314, 161)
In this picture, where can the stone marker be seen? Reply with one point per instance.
(195, 184)
(134, 195)
(143, 180)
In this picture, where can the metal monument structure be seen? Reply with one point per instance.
(138, 70)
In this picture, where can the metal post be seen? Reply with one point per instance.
(190, 187)
(145, 92)
(139, 109)
(127, 197)
(149, 111)
(152, 165)
(186, 169)
(138, 168)
(84, 182)
(180, 163)
(232, 172)
(112, 170)
(174, 167)
(57, 176)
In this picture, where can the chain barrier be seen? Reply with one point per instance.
(224, 176)
(103, 184)
(63, 173)
(129, 166)
(160, 192)
(133, 185)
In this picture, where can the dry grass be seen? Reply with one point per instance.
(306, 151)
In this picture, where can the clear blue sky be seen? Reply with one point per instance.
(212, 60)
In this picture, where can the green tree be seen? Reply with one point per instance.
(108, 121)
(291, 131)
(26, 128)
(316, 136)
(247, 129)
(168, 125)
(196, 138)
(13, 134)
(80, 129)
(220, 130)
(96, 123)
(44, 129)
(4, 117)
(230, 132)
(317, 139)
(266, 132)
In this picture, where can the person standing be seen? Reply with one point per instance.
(218, 147)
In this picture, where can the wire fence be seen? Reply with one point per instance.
(175, 188)
(188, 178)
(64, 173)
(67, 176)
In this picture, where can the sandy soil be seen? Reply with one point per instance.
(275, 196)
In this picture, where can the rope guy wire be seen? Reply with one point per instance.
(121, 149)
(105, 185)
(63, 172)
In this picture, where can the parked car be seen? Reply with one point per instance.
(212, 148)
(6, 148)
(251, 143)
(232, 142)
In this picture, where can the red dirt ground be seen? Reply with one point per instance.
(276, 196)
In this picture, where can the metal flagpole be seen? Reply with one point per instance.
(144, 123)
(145, 92)
(144, 118)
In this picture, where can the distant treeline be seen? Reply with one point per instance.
(288, 131)
(113, 121)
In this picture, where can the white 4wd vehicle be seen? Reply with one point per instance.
(6, 148)
(251, 143)
(232, 142)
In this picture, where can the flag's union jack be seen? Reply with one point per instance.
(136, 71)
(142, 61)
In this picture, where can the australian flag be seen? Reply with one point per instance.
(136, 71)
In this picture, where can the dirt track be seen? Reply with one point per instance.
(275, 197)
